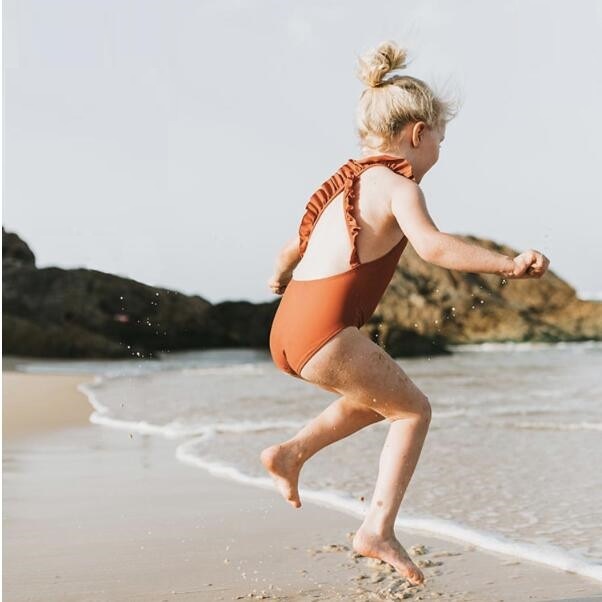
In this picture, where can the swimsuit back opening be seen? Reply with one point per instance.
(311, 312)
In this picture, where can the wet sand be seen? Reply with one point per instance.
(92, 513)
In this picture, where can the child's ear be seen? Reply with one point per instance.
(417, 132)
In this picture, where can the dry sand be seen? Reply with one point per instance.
(96, 514)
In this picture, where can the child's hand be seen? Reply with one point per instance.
(529, 264)
(278, 282)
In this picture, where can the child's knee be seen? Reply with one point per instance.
(415, 406)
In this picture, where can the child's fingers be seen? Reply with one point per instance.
(522, 265)
(539, 262)
(277, 289)
(539, 267)
(535, 264)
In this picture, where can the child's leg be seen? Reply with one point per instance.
(339, 420)
(285, 460)
(367, 376)
(398, 459)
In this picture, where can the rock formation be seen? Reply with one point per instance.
(473, 308)
(82, 313)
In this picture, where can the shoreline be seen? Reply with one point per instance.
(45, 415)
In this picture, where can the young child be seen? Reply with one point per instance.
(343, 258)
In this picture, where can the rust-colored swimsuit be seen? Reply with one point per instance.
(311, 312)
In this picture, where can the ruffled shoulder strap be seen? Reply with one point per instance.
(345, 178)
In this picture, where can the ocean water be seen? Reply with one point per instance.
(511, 462)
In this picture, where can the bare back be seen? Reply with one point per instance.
(328, 249)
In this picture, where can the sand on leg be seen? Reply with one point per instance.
(340, 419)
(368, 377)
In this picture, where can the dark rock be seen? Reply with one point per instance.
(53, 312)
(245, 324)
(404, 342)
(15, 251)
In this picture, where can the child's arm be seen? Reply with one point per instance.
(409, 207)
(286, 262)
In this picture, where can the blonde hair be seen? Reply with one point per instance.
(387, 105)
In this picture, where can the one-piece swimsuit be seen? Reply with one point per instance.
(311, 312)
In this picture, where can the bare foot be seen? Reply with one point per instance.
(387, 549)
(283, 462)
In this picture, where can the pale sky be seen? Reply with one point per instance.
(177, 142)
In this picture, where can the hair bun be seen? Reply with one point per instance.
(376, 63)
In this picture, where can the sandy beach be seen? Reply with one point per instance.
(92, 513)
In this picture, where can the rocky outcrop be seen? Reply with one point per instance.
(79, 313)
(15, 251)
(464, 307)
